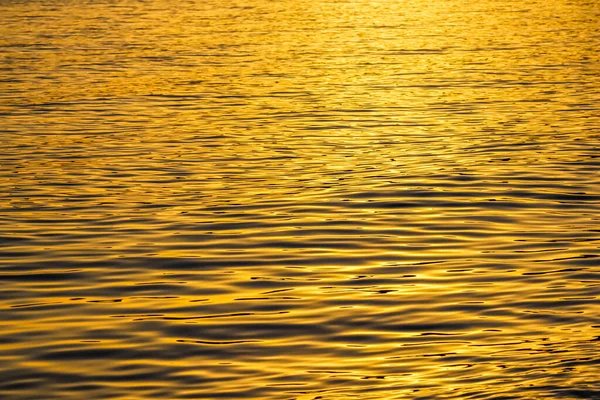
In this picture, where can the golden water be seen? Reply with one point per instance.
(300, 199)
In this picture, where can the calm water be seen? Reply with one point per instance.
(300, 199)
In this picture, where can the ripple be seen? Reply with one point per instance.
(300, 200)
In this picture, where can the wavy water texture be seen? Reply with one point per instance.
(311, 199)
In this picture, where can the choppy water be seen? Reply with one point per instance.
(302, 199)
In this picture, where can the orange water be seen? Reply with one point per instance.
(301, 199)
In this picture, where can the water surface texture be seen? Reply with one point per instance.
(300, 199)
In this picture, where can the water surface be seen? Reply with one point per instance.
(308, 199)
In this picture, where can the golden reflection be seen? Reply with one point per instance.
(299, 199)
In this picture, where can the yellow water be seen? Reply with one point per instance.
(299, 199)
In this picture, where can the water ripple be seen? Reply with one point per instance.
(299, 200)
